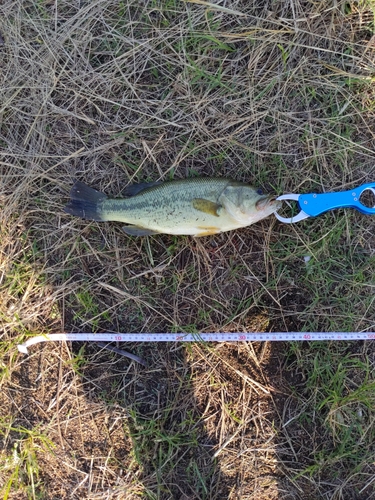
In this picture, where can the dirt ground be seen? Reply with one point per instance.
(279, 94)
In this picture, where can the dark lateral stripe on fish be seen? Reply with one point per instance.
(84, 202)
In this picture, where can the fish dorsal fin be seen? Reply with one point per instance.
(135, 189)
(206, 206)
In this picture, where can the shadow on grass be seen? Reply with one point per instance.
(198, 423)
(170, 444)
(118, 430)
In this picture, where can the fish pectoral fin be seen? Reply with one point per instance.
(138, 231)
(206, 206)
(135, 189)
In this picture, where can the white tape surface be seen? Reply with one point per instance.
(195, 337)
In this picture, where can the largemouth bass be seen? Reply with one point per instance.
(198, 206)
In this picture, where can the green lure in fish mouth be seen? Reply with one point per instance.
(197, 207)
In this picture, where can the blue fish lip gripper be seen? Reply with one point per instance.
(314, 204)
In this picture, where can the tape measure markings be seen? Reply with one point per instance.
(196, 337)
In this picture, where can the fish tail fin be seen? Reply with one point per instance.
(85, 202)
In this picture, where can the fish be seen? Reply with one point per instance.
(198, 206)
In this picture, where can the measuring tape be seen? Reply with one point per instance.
(194, 337)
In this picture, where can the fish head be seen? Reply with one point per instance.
(247, 206)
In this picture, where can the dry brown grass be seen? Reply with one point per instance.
(276, 93)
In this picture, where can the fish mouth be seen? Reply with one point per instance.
(267, 202)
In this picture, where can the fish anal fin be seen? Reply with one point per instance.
(138, 231)
(206, 206)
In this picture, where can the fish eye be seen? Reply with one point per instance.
(260, 191)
